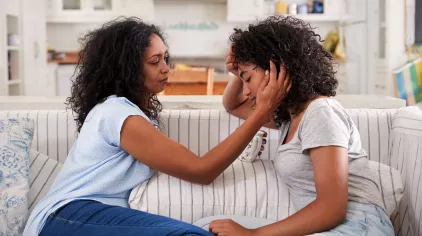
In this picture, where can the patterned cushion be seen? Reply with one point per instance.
(15, 142)
(42, 172)
(248, 189)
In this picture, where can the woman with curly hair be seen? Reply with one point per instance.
(123, 66)
(320, 157)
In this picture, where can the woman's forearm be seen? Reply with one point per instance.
(318, 216)
(219, 158)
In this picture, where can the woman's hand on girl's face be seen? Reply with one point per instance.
(272, 90)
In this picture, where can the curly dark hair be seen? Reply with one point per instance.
(293, 42)
(111, 64)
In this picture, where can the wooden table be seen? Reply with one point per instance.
(194, 88)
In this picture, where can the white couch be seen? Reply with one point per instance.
(201, 129)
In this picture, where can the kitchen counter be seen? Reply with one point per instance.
(67, 59)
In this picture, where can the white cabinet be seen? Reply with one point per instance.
(83, 11)
(50, 83)
(34, 47)
(23, 47)
(244, 10)
(65, 74)
(10, 48)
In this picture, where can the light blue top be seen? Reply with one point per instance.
(96, 168)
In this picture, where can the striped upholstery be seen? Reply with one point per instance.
(200, 130)
(406, 156)
(248, 189)
(43, 172)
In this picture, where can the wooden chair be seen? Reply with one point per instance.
(197, 80)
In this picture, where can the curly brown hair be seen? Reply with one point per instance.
(293, 42)
(111, 64)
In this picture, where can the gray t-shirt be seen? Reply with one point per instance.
(324, 123)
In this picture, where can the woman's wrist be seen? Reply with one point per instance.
(261, 116)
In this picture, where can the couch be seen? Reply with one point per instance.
(390, 136)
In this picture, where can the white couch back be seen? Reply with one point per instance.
(200, 130)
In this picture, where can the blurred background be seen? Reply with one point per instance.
(375, 42)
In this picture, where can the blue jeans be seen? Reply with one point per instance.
(86, 217)
(362, 219)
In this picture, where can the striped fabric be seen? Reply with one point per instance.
(406, 156)
(201, 130)
(248, 189)
(42, 173)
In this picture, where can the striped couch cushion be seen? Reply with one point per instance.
(42, 173)
(55, 130)
(406, 156)
(248, 189)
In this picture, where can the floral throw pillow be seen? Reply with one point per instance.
(15, 143)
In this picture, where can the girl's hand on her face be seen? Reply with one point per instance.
(231, 65)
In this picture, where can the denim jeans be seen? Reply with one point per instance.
(92, 218)
(362, 219)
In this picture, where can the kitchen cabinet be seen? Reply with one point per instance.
(50, 83)
(244, 10)
(10, 48)
(65, 74)
(34, 35)
(91, 11)
(23, 47)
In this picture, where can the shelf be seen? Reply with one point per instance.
(96, 19)
(12, 14)
(305, 17)
(14, 82)
(191, 1)
(320, 17)
(13, 48)
(13, 8)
